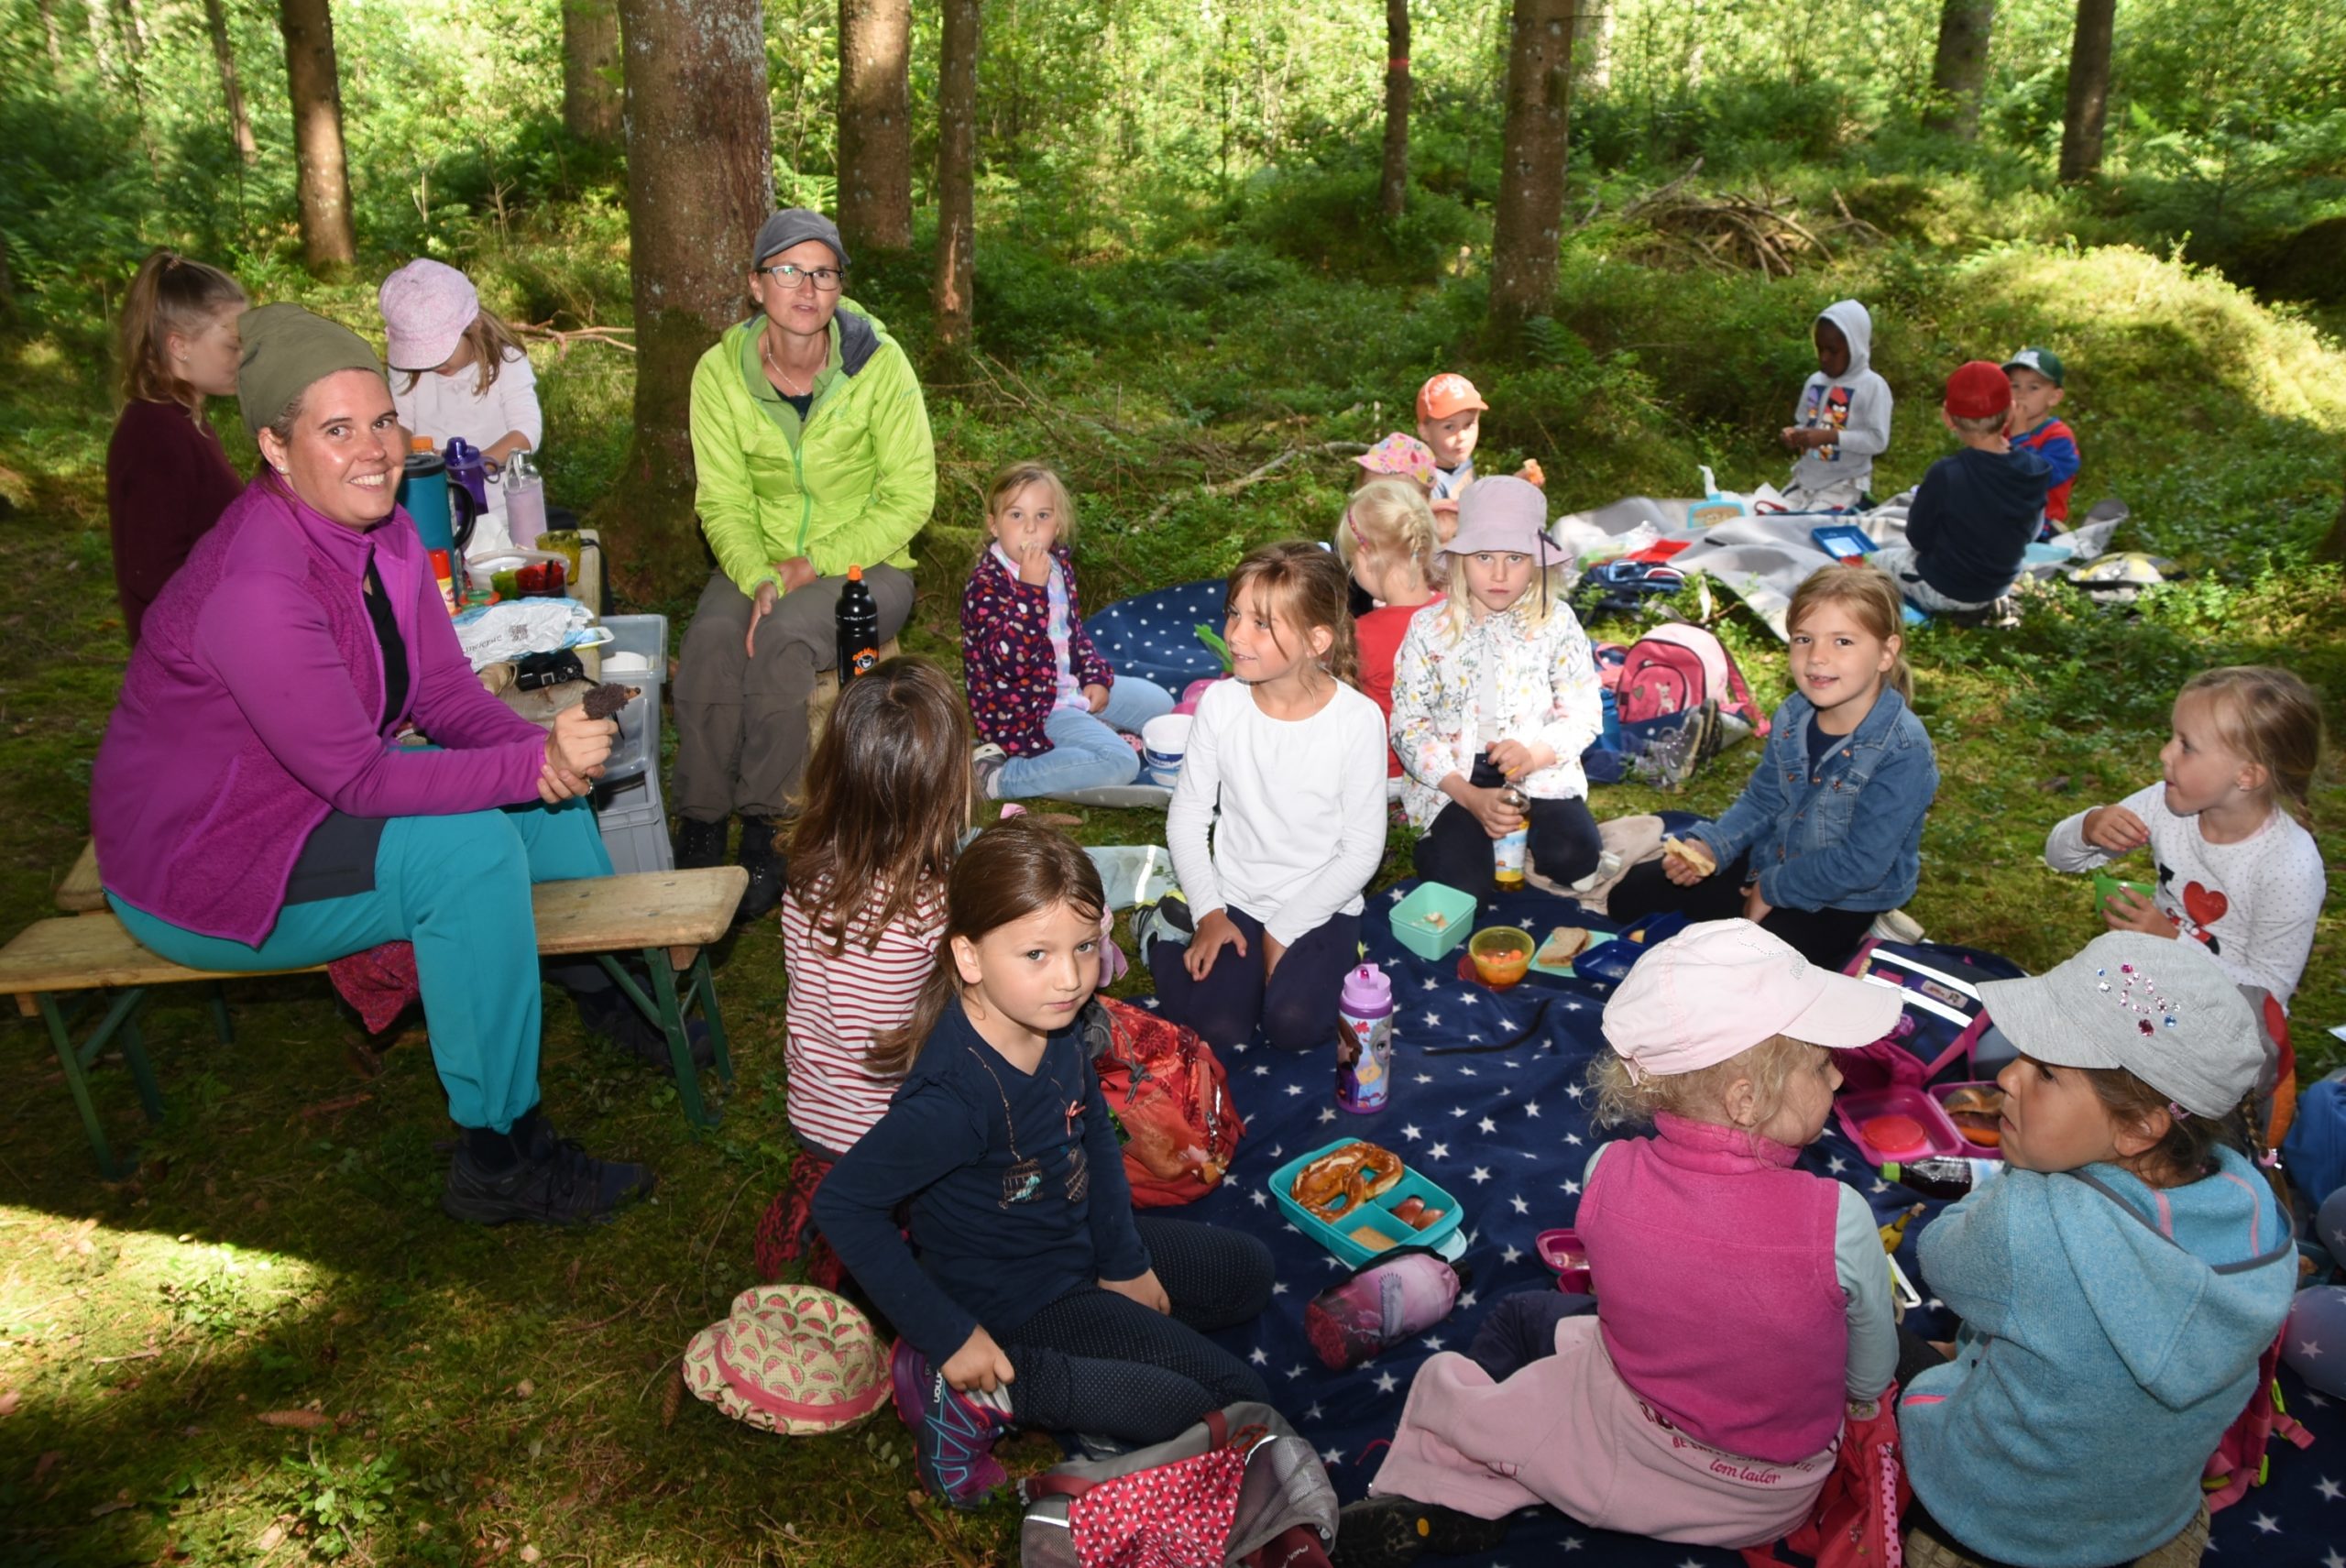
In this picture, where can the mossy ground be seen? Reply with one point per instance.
(482, 1396)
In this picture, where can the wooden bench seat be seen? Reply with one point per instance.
(669, 918)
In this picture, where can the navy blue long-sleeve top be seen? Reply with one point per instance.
(997, 1239)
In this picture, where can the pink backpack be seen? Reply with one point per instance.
(1673, 669)
(2239, 1462)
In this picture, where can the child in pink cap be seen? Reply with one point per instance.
(458, 371)
(1745, 1305)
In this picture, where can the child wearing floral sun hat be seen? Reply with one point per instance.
(1742, 1306)
(2117, 1284)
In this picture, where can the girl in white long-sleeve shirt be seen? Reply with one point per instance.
(457, 370)
(1293, 756)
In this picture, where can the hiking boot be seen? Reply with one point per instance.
(908, 1382)
(552, 1181)
(955, 1447)
(699, 844)
(768, 870)
(1897, 926)
(1167, 920)
(986, 762)
(1385, 1533)
(2005, 614)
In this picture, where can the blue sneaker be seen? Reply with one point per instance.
(956, 1445)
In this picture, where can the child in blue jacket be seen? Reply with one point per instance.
(1828, 833)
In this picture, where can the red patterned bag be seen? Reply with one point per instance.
(1170, 1100)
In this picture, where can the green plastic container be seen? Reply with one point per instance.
(1433, 919)
(2106, 887)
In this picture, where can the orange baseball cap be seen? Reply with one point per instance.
(1446, 394)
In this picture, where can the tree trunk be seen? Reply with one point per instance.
(322, 182)
(590, 72)
(2088, 90)
(699, 181)
(1959, 73)
(1393, 192)
(48, 30)
(2333, 548)
(99, 28)
(1593, 44)
(875, 152)
(1532, 163)
(957, 128)
(240, 124)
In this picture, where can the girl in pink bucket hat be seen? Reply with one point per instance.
(458, 371)
(1495, 697)
(1744, 1306)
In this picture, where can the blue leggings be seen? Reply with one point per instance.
(457, 887)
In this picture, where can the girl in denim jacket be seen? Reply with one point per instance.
(1828, 833)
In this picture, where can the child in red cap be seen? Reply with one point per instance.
(1976, 511)
(1449, 421)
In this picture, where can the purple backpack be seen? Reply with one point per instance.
(1403, 1293)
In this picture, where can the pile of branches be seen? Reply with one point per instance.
(1738, 231)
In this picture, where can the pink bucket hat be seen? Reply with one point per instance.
(1717, 989)
(1503, 514)
(790, 1359)
(426, 307)
(1402, 456)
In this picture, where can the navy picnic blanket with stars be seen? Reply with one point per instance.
(1155, 635)
(1489, 1100)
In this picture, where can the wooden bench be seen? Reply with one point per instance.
(669, 918)
(82, 894)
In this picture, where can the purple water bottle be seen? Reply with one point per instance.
(468, 467)
(1364, 1048)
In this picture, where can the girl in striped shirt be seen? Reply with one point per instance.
(887, 798)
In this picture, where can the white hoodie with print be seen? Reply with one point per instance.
(1855, 403)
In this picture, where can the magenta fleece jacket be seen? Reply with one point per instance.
(251, 705)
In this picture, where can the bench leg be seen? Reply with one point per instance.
(219, 1005)
(704, 984)
(120, 1017)
(665, 1009)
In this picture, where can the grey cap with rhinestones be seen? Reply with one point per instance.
(2157, 1006)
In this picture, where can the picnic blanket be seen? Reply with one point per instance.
(1762, 558)
(1488, 1101)
(1155, 635)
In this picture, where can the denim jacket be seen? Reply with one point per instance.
(1813, 844)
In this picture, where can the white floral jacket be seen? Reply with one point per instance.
(1548, 695)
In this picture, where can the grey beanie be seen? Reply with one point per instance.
(790, 226)
(287, 350)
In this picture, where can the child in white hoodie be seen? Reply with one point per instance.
(1843, 421)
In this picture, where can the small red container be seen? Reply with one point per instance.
(1939, 1136)
(1561, 1251)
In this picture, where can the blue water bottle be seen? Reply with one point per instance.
(424, 490)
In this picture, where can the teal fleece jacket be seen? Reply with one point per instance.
(2111, 1334)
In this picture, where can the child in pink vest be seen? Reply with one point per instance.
(1744, 1305)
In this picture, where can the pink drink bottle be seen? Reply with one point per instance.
(1364, 1045)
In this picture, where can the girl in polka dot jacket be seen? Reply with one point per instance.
(1051, 716)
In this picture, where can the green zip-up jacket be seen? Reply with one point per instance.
(847, 488)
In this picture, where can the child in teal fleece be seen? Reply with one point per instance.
(2117, 1284)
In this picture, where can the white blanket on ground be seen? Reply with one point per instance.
(1762, 559)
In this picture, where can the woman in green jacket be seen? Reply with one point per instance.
(814, 454)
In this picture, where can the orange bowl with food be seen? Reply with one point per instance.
(1501, 954)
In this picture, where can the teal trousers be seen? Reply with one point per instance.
(457, 887)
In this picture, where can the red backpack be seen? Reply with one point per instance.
(2239, 1462)
(1670, 673)
(1169, 1097)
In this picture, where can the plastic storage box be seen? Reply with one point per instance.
(1939, 1134)
(1433, 919)
(1443, 1235)
(629, 805)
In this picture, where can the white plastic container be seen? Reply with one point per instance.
(1165, 740)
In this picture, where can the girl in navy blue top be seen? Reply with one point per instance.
(1828, 833)
(1029, 1294)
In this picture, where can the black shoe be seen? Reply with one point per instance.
(610, 1017)
(768, 870)
(1385, 1533)
(555, 1182)
(699, 844)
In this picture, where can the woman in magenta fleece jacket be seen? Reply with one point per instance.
(252, 810)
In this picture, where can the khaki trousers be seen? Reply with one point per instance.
(741, 720)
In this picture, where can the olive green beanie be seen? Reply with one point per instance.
(287, 350)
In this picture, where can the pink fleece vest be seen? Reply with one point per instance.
(1717, 1295)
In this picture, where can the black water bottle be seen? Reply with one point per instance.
(859, 628)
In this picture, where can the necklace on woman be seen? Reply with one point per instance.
(765, 352)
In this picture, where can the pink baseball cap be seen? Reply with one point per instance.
(1445, 394)
(426, 307)
(1404, 455)
(1717, 989)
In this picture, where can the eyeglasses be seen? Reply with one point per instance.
(826, 279)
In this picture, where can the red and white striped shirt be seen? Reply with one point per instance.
(841, 1003)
